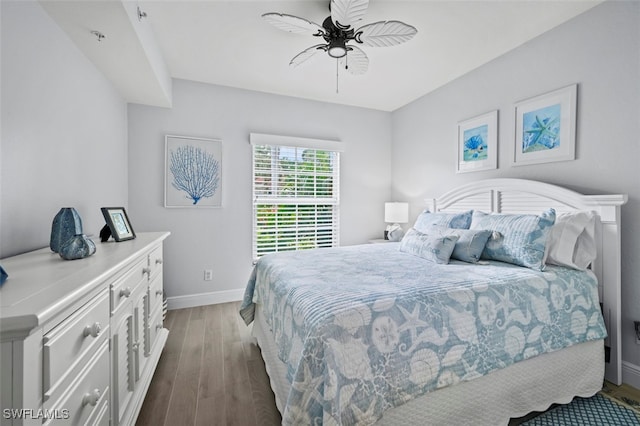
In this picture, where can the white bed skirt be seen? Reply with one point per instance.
(531, 385)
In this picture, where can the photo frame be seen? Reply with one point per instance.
(478, 143)
(546, 127)
(193, 172)
(118, 224)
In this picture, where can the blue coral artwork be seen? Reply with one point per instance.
(541, 129)
(193, 172)
(475, 143)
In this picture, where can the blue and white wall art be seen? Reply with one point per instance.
(193, 172)
(478, 143)
(546, 127)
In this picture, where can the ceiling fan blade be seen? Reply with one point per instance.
(307, 54)
(345, 13)
(356, 61)
(385, 33)
(293, 24)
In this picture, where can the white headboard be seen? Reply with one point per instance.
(523, 196)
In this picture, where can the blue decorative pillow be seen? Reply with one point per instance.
(448, 220)
(517, 239)
(470, 243)
(435, 247)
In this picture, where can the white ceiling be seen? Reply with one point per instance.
(228, 43)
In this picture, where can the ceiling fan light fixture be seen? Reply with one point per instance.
(338, 29)
(337, 48)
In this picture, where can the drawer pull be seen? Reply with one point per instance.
(158, 292)
(125, 292)
(136, 346)
(146, 271)
(92, 330)
(158, 326)
(158, 261)
(91, 398)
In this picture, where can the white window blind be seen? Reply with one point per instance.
(296, 196)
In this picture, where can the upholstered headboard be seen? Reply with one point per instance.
(521, 196)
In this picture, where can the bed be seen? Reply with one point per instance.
(409, 333)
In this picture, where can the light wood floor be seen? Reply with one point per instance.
(210, 373)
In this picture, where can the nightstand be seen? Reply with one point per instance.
(378, 241)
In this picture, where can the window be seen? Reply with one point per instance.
(296, 197)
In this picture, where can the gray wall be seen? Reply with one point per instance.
(64, 143)
(599, 50)
(220, 239)
(64, 132)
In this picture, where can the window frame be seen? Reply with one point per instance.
(318, 204)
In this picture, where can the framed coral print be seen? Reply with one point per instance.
(118, 224)
(478, 143)
(193, 172)
(546, 127)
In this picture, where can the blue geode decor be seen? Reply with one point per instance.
(77, 247)
(3, 276)
(66, 224)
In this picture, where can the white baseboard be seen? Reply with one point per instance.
(213, 298)
(631, 374)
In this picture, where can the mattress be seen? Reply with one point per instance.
(531, 385)
(364, 329)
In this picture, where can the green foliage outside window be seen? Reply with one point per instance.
(295, 200)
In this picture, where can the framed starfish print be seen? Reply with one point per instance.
(546, 127)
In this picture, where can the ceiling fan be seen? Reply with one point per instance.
(340, 36)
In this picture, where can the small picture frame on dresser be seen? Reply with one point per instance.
(118, 225)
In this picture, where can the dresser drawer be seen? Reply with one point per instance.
(155, 325)
(87, 396)
(155, 262)
(101, 417)
(156, 293)
(124, 287)
(77, 335)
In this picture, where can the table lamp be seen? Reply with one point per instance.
(394, 215)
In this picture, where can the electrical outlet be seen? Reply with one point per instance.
(636, 324)
(208, 275)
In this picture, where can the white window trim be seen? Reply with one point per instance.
(293, 141)
(296, 142)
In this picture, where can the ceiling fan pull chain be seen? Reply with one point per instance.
(337, 69)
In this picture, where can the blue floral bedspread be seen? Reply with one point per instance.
(366, 328)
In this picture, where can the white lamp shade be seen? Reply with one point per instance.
(396, 212)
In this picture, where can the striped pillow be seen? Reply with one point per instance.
(517, 239)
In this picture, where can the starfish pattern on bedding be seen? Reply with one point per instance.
(412, 322)
(505, 302)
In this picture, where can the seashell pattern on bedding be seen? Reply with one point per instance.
(366, 328)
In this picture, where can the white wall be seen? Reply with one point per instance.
(599, 50)
(64, 140)
(220, 239)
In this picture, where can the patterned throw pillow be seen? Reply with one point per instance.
(448, 220)
(435, 246)
(470, 243)
(517, 239)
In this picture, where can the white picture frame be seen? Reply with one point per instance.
(478, 143)
(546, 127)
(193, 172)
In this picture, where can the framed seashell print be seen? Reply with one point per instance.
(546, 127)
(478, 143)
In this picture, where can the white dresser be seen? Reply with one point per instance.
(80, 339)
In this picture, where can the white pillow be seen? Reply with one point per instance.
(572, 241)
